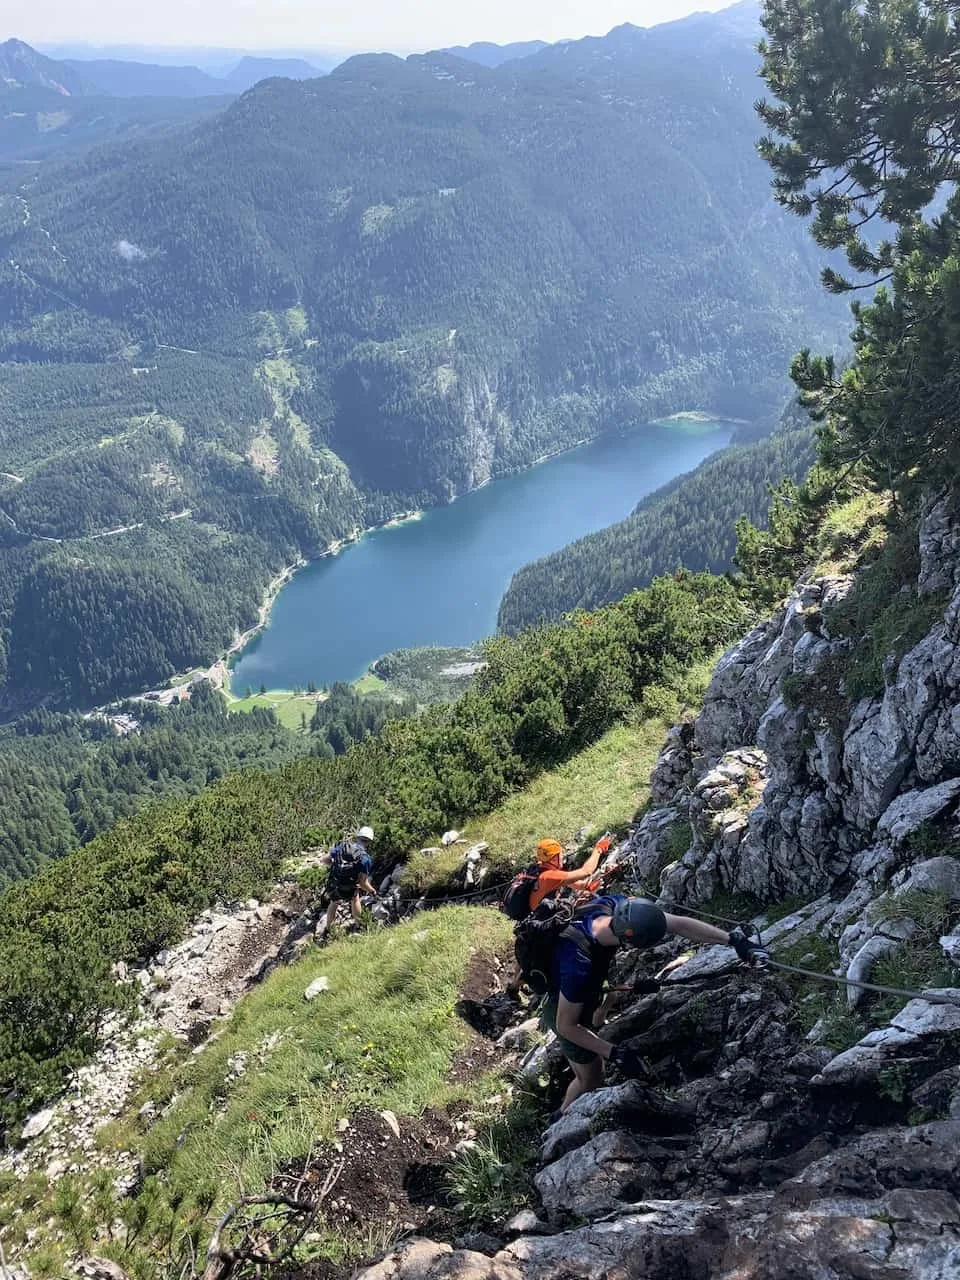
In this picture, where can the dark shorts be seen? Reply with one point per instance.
(572, 1052)
(337, 893)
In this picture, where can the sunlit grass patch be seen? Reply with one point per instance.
(370, 683)
(285, 1070)
(601, 788)
(289, 708)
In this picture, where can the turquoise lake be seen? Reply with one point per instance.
(439, 579)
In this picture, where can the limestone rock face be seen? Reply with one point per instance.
(606, 1172)
(939, 546)
(826, 789)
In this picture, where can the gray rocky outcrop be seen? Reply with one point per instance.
(825, 789)
(184, 990)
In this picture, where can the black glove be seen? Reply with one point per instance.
(752, 953)
(628, 1062)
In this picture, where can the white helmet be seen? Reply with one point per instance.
(365, 833)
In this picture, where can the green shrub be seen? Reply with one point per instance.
(493, 1179)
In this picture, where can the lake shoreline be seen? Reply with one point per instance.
(220, 671)
(676, 421)
(285, 576)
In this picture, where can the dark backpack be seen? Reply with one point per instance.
(536, 938)
(346, 864)
(516, 900)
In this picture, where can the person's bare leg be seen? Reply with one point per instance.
(355, 906)
(331, 914)
(587, 1076)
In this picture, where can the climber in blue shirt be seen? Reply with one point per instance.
(581, 963)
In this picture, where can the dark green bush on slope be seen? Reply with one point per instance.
(541, 697)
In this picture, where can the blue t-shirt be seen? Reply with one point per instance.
(580, 966)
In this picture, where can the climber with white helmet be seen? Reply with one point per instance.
(349, 865)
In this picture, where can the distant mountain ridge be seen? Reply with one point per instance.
(250, 70)
(126, 78)
(139, 79)
(494, 55)
(21, 67)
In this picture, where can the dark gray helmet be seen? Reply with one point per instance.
(638, 922)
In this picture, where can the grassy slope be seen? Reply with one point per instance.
(600, 789)
(384, 1035)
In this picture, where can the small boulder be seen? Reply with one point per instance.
(317, 987)
(934, 875)
(604, 1173)
(951, 947)
(526, 1223)
(911, 810)
(37, 1124)
(94, 1268)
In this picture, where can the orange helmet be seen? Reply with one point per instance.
(549, 850)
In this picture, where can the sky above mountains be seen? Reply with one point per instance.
(397, 25)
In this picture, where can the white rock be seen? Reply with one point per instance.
(392, 1121)
(449, 837)
(921, 1018)
(912, 809)
(99, 1269)
(37, 1124)
(862, 964)
(317, 986)
(951, 945)
(934, 875)
(526, 1223)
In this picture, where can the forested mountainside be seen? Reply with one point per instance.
(51, 108)
(347, 297)
(690, 522)
(66, 777)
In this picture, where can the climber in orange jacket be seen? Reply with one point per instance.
(552, 876)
